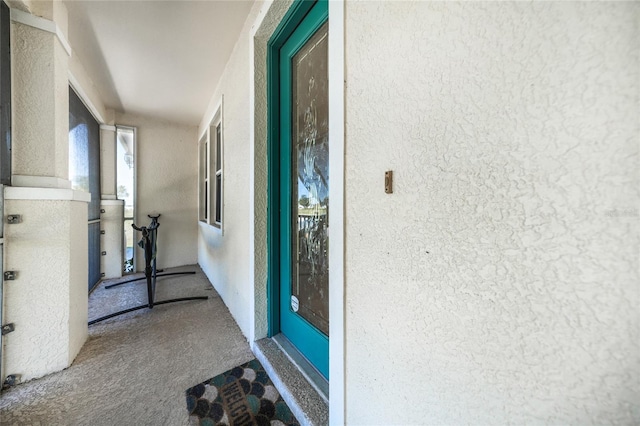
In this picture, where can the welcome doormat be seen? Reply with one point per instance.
(242, 396)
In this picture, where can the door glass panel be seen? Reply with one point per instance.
(310, 182)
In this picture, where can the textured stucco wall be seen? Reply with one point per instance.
(40, 89)
(224, 257)
(112, 241)
(167, 183)
(499, 283)
(82, 82)
(263, 33)
(53, 10)
(107, 163)
(78, 297)
(48, 300)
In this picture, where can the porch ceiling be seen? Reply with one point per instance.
(157, 58)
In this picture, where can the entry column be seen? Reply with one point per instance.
(48, 249)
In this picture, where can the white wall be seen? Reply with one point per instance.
(39, 147)
(167, 175)
(224, 256)
(48, 300)
(87, 91)
(499, 283)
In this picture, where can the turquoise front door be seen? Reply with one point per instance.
(303, 187)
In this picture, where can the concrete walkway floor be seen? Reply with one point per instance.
(134, 369)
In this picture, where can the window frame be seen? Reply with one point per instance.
(216, 172)
(134, 131)
(203, 180)
(210, 176)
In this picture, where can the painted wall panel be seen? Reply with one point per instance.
(48, 300)
(77, 284)
(108, 163)
(113, 238)
(82, 82)
(499, 282)
(39, 148)
(267, 22)
(167, 175)
(224, 256)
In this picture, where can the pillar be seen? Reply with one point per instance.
(48, 249)
(113, 209)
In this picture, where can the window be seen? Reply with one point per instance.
(126, 190)
(203, 180)
(84, 173)
(216, 194)
(211, 174)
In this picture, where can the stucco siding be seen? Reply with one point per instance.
(38, 146)
(499, 282)
(166, 177)
(48, 300)
(224, 254)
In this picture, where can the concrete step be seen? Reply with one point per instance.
(301, 387)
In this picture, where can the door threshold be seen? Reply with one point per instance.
(306, 399)
(310, 373)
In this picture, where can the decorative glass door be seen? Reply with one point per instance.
(304, 188)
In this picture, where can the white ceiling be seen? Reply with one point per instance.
(158, 58)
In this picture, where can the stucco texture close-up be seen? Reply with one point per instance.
(112, 241)
(48, 299)
(263, 28)
(108, 163)
(166, 178)
(499, 282)
(40, 85)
